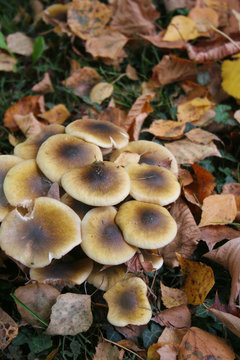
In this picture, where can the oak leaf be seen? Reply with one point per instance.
(166, 129)
(172, 297)
(181, 28)
(20, 43)
(176, 317)
(44, 86)
(57, 115)
(8, 329)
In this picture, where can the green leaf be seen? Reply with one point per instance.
(151, 336)
(40, 343)
(38, 48)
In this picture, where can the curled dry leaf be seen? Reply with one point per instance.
(194, 109)
(166, 129)
(100, 92)
(8, 329)
(28, 124)
(187, 236)
(172, 297)
(106, 351)
(7, 62)
(187, 152)
(178, 317)
(227, 255)
(181, 28)
(70, 315)
(82, 81)
(20, 43)
(214, 233)
(201, 136)
(205, 345)
(44, 86)
(57, 115)
(232, 322)
(231, 76)
(39, 298)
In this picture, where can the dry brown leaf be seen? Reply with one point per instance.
(194, 109)
(204, 17)
(106, 45)
(75, 65)
(168, 352)
(214, 233)
(87, 18)
(218, 209)
(233, 188)
(187, 152)
(20, 43)
(70, 315)
(114, 115)
(157, 40)
(7, 62)
(228, 255)
(28, 124)
(126, 158)
(106, 351)
(131, 332)
(8, 329)
(221, 8)
(229, 320)
(100, 92)
(205, 345)
(37, 8)
(173, 336)
(57, 115)
(131, 72)
(181, 28)
(82, 81)
(166, 129)
(44, 86)
(199, 280)
(133, 17)
(172, 297)
(57, 15)
(39, 298)
(178, 317)
(201, 136)
(187, 236)
(184, 176)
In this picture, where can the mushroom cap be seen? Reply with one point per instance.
(75, 271)
(49, 231)
(99, 184)
(29, 148)
(105, 279)
(153, 184)
(156, 260)
(79, 207)
(6, 163)
(101, 133)
(62, 152)
(128, 303)
(24, 182)
(150, 153)
(146, 225)
(102, 240)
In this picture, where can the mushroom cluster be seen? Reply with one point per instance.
(112, 210)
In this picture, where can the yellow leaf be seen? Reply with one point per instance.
(181, 28)
(166, 129)
(57, 115)
(193, 110)
(100, 92)
(231, 76)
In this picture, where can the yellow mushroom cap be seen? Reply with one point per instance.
(24, 182)
(99, 184)
(49, 231)
(102, 240)
(128, 303)
(6, 163)
(105, 279)
(153, 184)
(156, 260)
(101, 133)
(75, 271)
(150, 153)
(146, 225)
(62, 152)
(29, 148)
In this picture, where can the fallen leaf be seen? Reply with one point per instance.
(201, 136)
(199, 280)
(133, 17)
(173, 336)
(221, 8)
(187, 152)
(57, 115)
(131, 72)
(70, 315)
(227, 255)
(126, 158)
(114, 115)
(172, 297)
(233, 188)
(231, 77)
(20, 43)
(106, 45)
(75, 65)
(44, 86)
(200, 344)
(176, 4)
(187, 237)
(157, 40)
(178, 317)
(184, 176)
(166, 129)
(8, 329)
(232, 322)
(181, 28)
(168, 352)
(106, 351)
(28, 124)
(214, 233)
(7, 62)
(87, 18)
(218, 209)
(82, 81)
(131, 332)
(37, 297)
(57, 16)
(37, 8)
(192, 110)
(204, 17)
(100, 92)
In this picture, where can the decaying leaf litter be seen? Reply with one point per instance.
(165, 74)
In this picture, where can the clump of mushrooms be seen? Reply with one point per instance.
(111, 210)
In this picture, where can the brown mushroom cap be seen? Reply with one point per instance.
(156, 260)
(146, 225)
(79, 207)
(150, 153)
(128, 303)
(75, 271)
(153, 184)
(102, 240)
(105, 279)
(63, 152)
(29, 148)
(101, 133)
(24, 182)
(99, 184)
(6, 163)
(49, 231)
